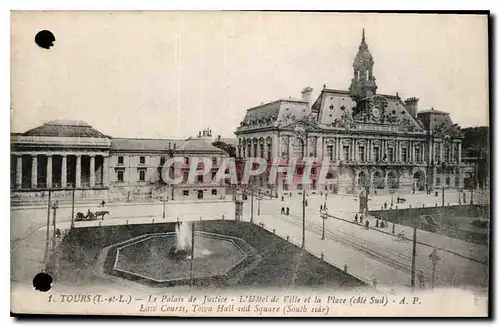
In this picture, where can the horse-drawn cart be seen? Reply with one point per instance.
(91, 215)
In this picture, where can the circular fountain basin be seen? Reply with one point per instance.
(149, 258)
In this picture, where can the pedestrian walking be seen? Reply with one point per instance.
(282, 210)
(367, 224)
(282, 198)
(382, 225)
(103, 203)
(361, 219)
(305, 202)
(356, 218)
(320, 208)
(376, 223)
(385, 205)
(421, 279)
(287, 211)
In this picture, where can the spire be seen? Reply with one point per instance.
(363, 45)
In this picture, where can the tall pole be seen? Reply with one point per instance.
(192, 254)
(303, 219)
(54, 211)
(73, 208)
(48, 227)
(413, 255)
(323, 234)
(251, 209)
(442, 196)
(164, 201)
(258, 207)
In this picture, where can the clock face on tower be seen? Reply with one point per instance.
(376, 112)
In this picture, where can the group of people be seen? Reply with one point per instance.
(360, 218)
(285, 211)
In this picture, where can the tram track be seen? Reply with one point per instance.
(400, 261)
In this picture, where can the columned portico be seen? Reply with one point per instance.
(78, 168)
(49, 171)
(92, 171)
(64, 171)
(34, 171)
(19, 172)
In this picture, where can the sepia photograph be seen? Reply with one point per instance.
(250, 164)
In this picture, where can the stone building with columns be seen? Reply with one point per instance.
(71, 156)
(374, 141)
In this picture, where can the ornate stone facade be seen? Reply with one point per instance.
(371, 140)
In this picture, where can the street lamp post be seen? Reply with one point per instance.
(324, 218)
(55, 206)
(48, 229)
(303, 219)
(73, 207)
(258, 206)
(392, 197)
(164, 202)
(326, 198)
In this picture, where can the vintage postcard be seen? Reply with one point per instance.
(250, 164)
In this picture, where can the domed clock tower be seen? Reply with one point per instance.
(363, 84)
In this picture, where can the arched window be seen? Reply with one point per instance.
(298, 148)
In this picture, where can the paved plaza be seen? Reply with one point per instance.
(374, 256)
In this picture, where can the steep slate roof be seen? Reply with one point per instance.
(440, 122)
(199, 145)
(65, 128)
(276, 113)
(331, 104)
(131, 144)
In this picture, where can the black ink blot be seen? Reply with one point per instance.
(42, 282)
(45, 39)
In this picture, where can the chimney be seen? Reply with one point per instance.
(411, 105)
(306, 94)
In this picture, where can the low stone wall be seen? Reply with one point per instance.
(450, 220)
(453, 211)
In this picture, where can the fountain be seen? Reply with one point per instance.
(182, 249)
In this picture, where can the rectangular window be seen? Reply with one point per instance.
(120, 160)
(214, 161)
(185, 193)
(361, 153)
(142, 175)
(329, 152)
(119, 175)
(261, 150)
(214, 192)
(391, 154)
(300, 170)
(186, 160)
(313, 171)
(438, 181)
(200, 178)
(346, 153)
(269, 152)
(417, 155)
(255, 150)
(162, 160)
(185, 177)
(214, 173)
(142, 160)
(404, 154)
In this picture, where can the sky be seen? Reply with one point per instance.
(171, 74)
